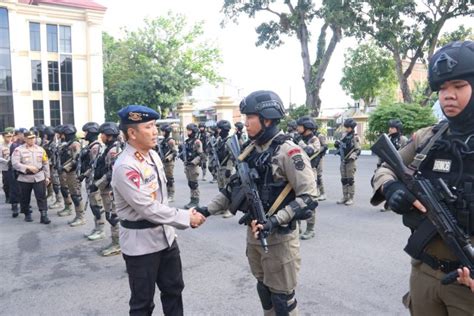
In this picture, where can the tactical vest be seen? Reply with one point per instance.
(348, 141)
(101, 167)
(395, 139)
(268, 189)
(203, 137)
(165, 147)
(222, 152)
(191, 153)
(452, 159)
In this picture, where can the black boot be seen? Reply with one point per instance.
(44, 218)
(28, 217)
(14, 210)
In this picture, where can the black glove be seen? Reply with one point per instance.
(399, 199)
(271, 224)
(228, 173)
(81, 178)
(309, 151)
(203, 210)
(93, 188)
(337, 143)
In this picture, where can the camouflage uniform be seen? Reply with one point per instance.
(349, 154)
(168, 148)
(191, 168)
(319, 169)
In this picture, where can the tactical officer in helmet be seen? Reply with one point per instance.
(191, 155)
(292, 132)
(109, 132)
(305, 126)
(348, 148)
(241, 135)
(51, 143)
(168, 150)
(204, 138)
(213, 166)
(322, 153)
(68, 156)
(278, 162)
(87, 162)
(441, 151)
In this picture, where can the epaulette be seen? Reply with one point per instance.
(139, 156)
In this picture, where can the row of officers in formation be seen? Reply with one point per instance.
(273, 179)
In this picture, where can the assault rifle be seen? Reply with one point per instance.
(435, 197)
(183, 155)
(247, 179)
(215, 157)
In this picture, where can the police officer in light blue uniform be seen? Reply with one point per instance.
(147, 223)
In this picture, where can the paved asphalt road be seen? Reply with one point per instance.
(354, 266)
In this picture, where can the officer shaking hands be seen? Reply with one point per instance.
(444, 151)
(147, 234)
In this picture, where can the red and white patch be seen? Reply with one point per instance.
(294, 151)
(134, 176)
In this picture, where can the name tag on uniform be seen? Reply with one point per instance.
(441, 165)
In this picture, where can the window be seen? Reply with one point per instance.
(35, 42)
(6, 99)
(52, 37)
(66, 73)
(36, 80)
(38, 112)
(53, 76)
(4, 32)
(65, 39)
(68, 107)
(55, 113)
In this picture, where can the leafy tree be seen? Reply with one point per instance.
(409, 29)
(293, 114)
(413, 116)
(460, 34)
(294, 18)
(157, 64)
(368, 72)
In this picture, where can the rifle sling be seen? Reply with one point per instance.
(284, 193)
(246, 152)
(420, 238)
(420, 157)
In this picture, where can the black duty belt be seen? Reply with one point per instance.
(442, 265)
(142, 224)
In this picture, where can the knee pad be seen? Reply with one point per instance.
(64, 192)
(283, 303)
(96, 211)
(344, 181)
(319, 180)
(112, 218)
(170, 182)
(265, 296)
(193, 185)
(76, 199)
(56, 188)
(350, 181)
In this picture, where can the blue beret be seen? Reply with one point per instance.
(132, 114)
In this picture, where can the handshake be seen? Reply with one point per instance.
(196, 218)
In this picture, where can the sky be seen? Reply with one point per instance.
(246, 67)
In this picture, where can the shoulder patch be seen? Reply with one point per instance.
(139, 156)
(294, 151)
(298, 162)
(134, 176)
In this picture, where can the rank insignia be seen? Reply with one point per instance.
(442, 165)
(139, 156)
(134, 116)
(294, 151)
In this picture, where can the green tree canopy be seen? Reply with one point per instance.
(368, 72)
(294, 18)
(460, 34)
(157, 64)
(409, 29)
(413, 116)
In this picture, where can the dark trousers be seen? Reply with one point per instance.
(14, 189)
(6, 184)
(162, 268)
(25, 197)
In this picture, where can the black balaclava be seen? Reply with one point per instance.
(224, 133)
(91, 137)
(69, 137)
(463, 123)
(266, 133)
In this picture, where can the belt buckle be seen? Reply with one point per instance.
(420, 157)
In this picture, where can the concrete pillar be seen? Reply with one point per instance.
(225, 107)
(185, 112)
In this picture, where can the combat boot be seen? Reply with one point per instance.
(171, 197)
(343, 200)
(58, 202)
(28, 217)
(14, 210)
(66, 211)
(112, 249)
(193, 203)
(227, 214)
(349, 201)
(309, 233)
(98, 234)
(77, 221)
(44, 217)
(321, 197)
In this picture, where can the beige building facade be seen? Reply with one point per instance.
(54, 52)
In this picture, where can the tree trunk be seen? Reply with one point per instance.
(303, 37)
(402, 80)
